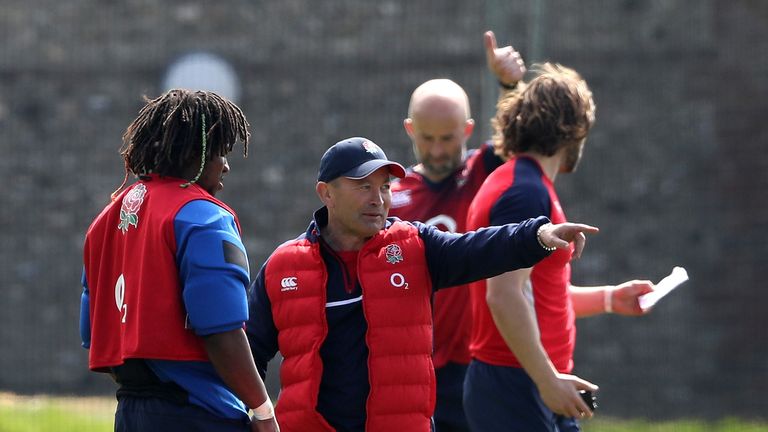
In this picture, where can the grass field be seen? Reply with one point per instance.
(82, 414)
(62, 414)
(727, 425)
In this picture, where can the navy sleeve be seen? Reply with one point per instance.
(455, 259)
(85, 314)
(522, 201)
(491, 161)
(213, 268)
(261, 330)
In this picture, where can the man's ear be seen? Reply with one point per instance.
(469, 126)
(323, 192)
(408, 125)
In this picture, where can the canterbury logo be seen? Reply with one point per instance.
(289, 284)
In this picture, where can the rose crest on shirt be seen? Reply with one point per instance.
(393, 253)
(130, 207)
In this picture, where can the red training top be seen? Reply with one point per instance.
(515, 191)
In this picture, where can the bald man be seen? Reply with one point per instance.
(438, 191)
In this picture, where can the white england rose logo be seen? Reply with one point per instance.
(131, 204)
(393, 254)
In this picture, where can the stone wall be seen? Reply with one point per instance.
(674, 171)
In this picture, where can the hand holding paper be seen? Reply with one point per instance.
(664, 287)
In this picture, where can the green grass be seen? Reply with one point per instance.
(79, 414)
(61, 414)
(726, 425)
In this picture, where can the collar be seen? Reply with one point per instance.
(319, 221)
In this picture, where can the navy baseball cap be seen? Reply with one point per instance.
(355, 158)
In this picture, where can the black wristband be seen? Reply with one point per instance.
(508, 86)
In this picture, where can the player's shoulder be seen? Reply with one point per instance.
(519, 179)
(203, 212)
(528, 174)
(525, 196)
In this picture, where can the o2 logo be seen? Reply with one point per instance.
(120, 297)
(398, 281)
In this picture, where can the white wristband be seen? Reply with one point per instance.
(608, 300)
(264, 411)
(541, 243)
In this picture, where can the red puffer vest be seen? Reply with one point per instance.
(136, 309)
(396, 290)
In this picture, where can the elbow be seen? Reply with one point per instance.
(494, 298)
(502, 296)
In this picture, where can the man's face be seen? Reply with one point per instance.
(360, 207)
(439, 141)
(212, 179)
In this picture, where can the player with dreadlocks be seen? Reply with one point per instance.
(165, 276)
(159, 140)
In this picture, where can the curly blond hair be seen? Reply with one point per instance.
(554, 110)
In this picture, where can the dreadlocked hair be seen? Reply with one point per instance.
(167, 136)
(555, 109)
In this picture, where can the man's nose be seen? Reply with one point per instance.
(377, 198)
(437, 150)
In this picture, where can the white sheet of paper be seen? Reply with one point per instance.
(664, 287)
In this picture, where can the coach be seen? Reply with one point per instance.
(348, 303)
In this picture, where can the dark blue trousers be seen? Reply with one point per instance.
(140, 414)
(449, 410)
(500, 399)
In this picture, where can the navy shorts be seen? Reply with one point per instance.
(500, 398)
(449, 411)
(140, 414)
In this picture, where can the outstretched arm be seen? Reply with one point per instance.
(513, 316)
(455, 259)
(561, 235)
(621, 299)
